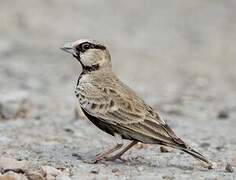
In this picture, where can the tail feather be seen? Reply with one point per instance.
(184, 147)
(196, 154)
(178, 143)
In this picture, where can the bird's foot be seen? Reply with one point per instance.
(90, 161)
(106, 158)
(98, 157)
(116, 157)
(93, 161)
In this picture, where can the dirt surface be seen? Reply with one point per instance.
(178, 55)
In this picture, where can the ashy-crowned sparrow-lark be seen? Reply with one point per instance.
(115, 108)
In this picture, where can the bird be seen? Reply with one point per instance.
(115, 108)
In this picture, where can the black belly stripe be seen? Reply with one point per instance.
(100, 124)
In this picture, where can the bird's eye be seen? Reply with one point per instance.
(85, 46)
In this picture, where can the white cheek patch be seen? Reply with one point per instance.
(93, 56)
(88, 58)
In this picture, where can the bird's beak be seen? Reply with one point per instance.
(68, 48)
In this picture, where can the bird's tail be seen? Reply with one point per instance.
(184, 147)
(180, 144)
(196, 155)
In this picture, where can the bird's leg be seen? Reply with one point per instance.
(118, 155)
(104, 154)
(101, 156)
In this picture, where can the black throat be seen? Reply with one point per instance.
(86, 70)
(90, 68)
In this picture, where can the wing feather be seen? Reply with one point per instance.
(127, 111)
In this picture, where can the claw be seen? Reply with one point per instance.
(93, 161)
(113, 158)
(90, 161)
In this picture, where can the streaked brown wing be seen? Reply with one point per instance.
(128, 112)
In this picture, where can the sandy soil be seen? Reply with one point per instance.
(178, 55)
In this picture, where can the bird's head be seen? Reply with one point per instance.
(89, 53)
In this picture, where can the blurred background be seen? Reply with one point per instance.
(178, 55)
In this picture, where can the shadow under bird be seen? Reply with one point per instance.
(115, 108)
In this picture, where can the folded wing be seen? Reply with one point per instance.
(129, 114)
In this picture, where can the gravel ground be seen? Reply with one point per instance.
(182, 55)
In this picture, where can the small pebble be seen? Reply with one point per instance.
(229, 168)
(38, 117)
(164, 149)
(114, 170)
(69, 130)
(213, 165)
(205, 145)
(220, 148)
(95, 171)
(118, 173)
(142, 145)
(223, 114)
(168, 177)
(76, 155)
